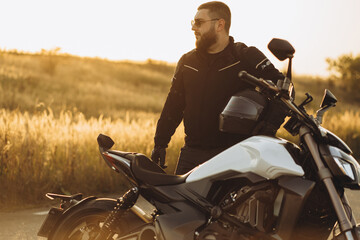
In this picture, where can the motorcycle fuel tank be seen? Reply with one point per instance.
(262, 155)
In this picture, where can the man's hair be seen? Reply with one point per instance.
(218, 10)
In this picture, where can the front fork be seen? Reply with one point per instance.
(346, 224)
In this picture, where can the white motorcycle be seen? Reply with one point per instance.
(261, 188)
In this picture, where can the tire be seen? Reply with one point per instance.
(85, 219)
(81, 225)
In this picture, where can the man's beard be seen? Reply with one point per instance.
(207, 40)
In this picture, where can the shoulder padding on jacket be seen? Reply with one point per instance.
(239, 47)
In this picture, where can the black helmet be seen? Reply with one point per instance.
(244, 112)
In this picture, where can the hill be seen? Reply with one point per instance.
(32, 82)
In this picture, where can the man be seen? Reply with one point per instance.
(204, 80)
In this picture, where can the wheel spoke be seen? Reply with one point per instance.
(86, 228)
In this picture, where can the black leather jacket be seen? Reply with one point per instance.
(201, 87)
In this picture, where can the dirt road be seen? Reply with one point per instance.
(23, 225)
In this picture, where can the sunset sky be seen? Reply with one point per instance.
(160, 29)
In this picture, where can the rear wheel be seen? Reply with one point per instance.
(83, 225)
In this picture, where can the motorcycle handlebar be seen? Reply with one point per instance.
(259, 82)
(274, 91)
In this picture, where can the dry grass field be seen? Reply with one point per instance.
(52, 108)
(42, 153)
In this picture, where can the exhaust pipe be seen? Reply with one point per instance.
(144, 209)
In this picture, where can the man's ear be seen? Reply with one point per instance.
(221, 25)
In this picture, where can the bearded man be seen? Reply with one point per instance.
(204, 80)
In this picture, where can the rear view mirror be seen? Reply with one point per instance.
(328, 99)
(282, 49)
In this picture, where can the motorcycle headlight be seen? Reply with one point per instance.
(343, 166)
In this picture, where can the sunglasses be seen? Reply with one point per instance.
(199, 22)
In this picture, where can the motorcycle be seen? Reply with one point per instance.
(261, 188)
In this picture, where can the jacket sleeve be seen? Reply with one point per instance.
(172, 113)
(260, 66)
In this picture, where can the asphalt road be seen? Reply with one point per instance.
(24, 225)
(21, 224)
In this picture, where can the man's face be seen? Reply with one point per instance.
(204, 29)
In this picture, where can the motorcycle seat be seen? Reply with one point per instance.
(128, 155)
(147, 171)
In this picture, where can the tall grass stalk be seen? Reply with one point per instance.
(41, 153)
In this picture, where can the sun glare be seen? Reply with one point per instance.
(159, 29)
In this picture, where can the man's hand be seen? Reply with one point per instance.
(158, 156)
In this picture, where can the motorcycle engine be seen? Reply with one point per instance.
(253, 206)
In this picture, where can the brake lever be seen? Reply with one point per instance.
(308, 99)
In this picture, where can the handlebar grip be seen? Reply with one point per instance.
(257, 81)
(249, 78)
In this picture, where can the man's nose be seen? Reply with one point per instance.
(193, 27)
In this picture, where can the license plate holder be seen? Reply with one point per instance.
(50, 221)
